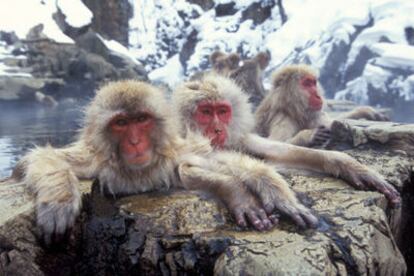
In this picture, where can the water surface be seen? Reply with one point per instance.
(24, 125)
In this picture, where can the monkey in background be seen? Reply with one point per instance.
(247, 74)
(130, 143)
(292, 110)
(218, 109)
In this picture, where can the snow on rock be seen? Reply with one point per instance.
(77, 14)
(20, 16)
(171, 74)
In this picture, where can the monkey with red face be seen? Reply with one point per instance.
(292, 110)
(130, 143)
(218, 109)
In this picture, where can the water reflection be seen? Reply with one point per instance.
(22, 126)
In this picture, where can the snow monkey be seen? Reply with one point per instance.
(218, 109)
(248, 75)
(130, 143)
(292, 110)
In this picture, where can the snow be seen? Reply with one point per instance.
(160, 28)
(171, 73)
(77, 14)
(5, 70)
(21, 15)
(394, 55)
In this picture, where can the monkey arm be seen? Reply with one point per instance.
(364, 112)
(268, 185)
(283, 129)
(195, 175)
(333, 163)
(51, 176)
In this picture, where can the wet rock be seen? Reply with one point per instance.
(389, 136)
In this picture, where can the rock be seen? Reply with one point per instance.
(19, 88)
(258, 11)
(45, 99)
(189, 232)
(389, 136)
(204, 4)
(110, 18)
(61, 71)
(225, 9)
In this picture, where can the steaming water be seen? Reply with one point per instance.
(22, 126)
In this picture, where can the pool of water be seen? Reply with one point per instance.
(22, 126)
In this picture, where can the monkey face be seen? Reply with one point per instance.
(213, 118)
(309, 85)
(132, 133)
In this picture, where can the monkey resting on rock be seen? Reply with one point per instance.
(292, 110)
(129, 142)
(218, 109)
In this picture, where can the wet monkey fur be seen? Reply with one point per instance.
(292, 110)
(130, 143)
(231, 128)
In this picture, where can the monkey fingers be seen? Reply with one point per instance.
(373, 181)
(381, 117)
(321, 136)
(255, 216)
(55, 220)
(299, 213)
(363, 178)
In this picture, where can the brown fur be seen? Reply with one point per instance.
(284, 114)
(248, 75)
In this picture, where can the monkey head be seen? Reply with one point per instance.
(127, 120)
(223, 63)
(132, 134)
(309, 86)
(216, 107)
(298, 90)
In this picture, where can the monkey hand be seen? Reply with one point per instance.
(364, 178)
(276, 195)
(368, 113)
(320, 137)
(246, 210)
(56, 210)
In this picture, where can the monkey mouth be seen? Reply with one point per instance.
(138, 158)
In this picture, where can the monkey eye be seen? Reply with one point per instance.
(142, 118)
(206, 111)
(308, 82)
(121, 122)
(222, 111)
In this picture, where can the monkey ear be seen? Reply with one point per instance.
(263, 59)
(234, 59)
(215, 55)
(193, 85)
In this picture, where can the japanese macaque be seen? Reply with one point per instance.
(292, 110)
(218, 109)
(224, 63)
(247, 74)
(130, 143)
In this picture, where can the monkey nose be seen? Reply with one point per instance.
(217, 131)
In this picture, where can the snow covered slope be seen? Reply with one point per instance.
(363, 48)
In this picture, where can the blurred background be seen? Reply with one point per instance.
(55, 53)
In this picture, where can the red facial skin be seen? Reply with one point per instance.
(213, 119)
(309, 84)
(133, 136)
